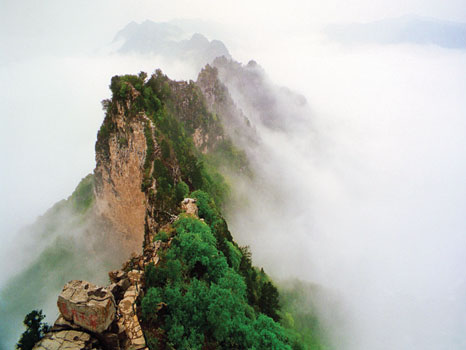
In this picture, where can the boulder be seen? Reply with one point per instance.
(67, 340)
(89, 306)
(189, 206)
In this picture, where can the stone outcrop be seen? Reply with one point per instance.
(189, 206)
(67, 340)
(88, 316)
(86, 305)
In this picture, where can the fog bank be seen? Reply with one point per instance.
(368, 201)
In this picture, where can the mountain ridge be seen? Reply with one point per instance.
(158, 165)
(160, 139)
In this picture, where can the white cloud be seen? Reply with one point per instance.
(371, 203)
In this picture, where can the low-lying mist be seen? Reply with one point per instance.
(62, 245)
(367, 198)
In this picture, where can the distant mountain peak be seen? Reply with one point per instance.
(169, 40)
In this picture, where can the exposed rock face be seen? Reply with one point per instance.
(69, 340)
(119, 174)
(189, 206)
(86, 305)
(201, 140)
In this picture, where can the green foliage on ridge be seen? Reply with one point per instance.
(195, 300)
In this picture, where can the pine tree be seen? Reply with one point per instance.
(35, 330)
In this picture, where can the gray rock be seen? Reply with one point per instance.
(85, 304)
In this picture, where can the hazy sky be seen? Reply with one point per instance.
(61, 27)
(386, 183)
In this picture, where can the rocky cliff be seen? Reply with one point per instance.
(120, 156)
(152, 149)
(151, 141)
(163, 156)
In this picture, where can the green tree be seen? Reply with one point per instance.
(181, 191)
(150, 303)
(269, 334)
(268, 301)
(35, 330)
(165, 149)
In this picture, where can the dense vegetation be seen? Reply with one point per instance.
(205, 293)
(197, 299)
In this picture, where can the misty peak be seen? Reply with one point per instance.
(167, 39)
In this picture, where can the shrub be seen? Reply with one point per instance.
(150, 303)
(181, 191)
(161, 236)
(165, 149)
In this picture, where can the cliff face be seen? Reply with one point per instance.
(120, 157)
